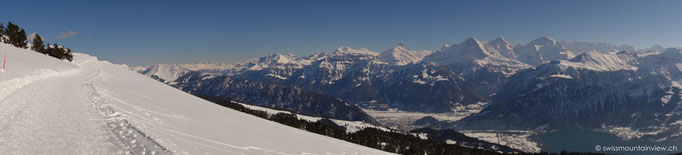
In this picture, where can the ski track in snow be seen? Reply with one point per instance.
(94, 107)
(35, 123)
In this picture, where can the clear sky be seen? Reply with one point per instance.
(148, 32)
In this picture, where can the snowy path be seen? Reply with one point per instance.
(49, 106)
(54, 115)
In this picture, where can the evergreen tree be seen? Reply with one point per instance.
(9, 32)
(68, 55)
(16, 35)
(21, 39)
(55, 51)
(2, 32)
(38, 44)
(59, 52)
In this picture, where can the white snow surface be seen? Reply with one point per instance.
(561, 76)
(89, 106)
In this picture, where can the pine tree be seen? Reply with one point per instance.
(2, 32)
(52, 50)
(17, 36)
(9, 32)
(68, 55)
(21, 39)
(38, 44)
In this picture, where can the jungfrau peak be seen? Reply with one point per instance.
(542, 50)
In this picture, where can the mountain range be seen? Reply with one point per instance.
(543, 84)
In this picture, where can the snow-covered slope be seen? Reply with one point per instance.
(95, 107)
(601, 62)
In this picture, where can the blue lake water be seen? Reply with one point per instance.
(587, 141)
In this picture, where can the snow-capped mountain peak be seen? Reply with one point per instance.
(542, 50)
(466, 52)
(470, 47)
(654, 48)
(400, 46)
(602, 61)
(168, 72)
(400, 55)
(503, 47)
(544, 40)
(474, 55)
(343, 50)
(471, 41)
(445, 46)
(278, 58)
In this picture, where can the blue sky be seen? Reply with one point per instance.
(148, 32)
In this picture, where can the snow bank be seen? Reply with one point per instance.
(24, 66)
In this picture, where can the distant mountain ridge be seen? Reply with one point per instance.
(457, 75)
(497, 78)
(272, 95)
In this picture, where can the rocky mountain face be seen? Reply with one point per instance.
(486, 65)
(272, 95)
(591, 91)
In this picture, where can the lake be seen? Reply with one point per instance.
(590, 141)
